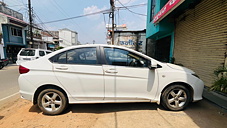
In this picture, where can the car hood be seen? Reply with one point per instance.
(173, 66)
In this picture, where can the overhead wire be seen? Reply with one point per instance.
(89, 14)
(130, 10)
(98, 12)
(66, 15)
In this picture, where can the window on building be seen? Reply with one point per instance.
(152, 9)
(16, 31)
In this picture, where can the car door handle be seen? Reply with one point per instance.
(62, 68)
(111, 71)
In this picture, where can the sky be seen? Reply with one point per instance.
(90, 28)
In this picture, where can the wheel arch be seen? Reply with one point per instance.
(47, 86)
(189, 87)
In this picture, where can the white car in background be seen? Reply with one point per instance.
(28, 54)
(105, 74)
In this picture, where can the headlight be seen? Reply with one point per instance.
(196, 75)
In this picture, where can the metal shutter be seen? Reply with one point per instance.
(201, 38)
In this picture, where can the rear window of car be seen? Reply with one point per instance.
(27, 52)
(41, 53)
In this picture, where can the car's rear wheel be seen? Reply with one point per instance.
(52, 101)
(175, 97)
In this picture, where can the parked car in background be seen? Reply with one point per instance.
(105, 74)
(28, 54)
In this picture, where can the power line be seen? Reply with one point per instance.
(103, 11)
(130, 10)
(67, 16)
(132, 6)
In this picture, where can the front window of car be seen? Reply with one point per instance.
(27, 52)
(120, 57)
(77, 56)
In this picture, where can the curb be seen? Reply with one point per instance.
(216, 98)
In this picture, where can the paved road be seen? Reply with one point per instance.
(8, 81)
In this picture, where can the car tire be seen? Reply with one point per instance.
(52, 101)
(175, 97)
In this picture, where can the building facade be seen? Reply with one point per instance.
(131, 39)
(189, 32)
(12, 32)
(51, 38)
(67, 37)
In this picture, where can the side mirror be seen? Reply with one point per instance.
(153, 65)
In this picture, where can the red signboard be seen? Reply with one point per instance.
(169, 7)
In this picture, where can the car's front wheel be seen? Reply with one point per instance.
(52, 101)
(175, 97)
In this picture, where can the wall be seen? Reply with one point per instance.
(67, 38)
(201, 39)
(131, 39)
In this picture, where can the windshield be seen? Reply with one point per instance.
(27, 52)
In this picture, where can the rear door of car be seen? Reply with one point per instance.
(80, 73)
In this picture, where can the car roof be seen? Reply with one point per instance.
(35, 49)
(97, 45)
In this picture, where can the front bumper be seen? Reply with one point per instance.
(198, 90)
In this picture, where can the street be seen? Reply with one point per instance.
(17, 112)
(9, 85)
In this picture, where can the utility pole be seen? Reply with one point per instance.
(112, 8)
(30, 21)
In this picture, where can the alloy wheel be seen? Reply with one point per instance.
(51, 101)
(177, 98)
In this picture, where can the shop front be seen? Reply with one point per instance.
(191, 33)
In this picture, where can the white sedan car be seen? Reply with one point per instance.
(105, 74)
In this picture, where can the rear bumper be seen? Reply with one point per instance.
(27, 96)
(26, 88)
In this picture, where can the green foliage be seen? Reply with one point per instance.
(220, 70)
(220, 84)
(59, 48)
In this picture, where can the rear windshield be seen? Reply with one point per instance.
(27, 52)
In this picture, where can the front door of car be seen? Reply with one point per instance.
(127, 76)
(80, 74)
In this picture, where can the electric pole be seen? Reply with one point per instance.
(112, 7)
(30, 21)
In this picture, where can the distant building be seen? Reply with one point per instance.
(12, 33)
(67, 37)
(135, 40)
(51, 38)
(37, 39)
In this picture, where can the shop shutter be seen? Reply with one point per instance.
(201, 38)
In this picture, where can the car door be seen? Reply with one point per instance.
(127, 76)
(80, 73)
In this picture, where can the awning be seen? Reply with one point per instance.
(168, 8)
(15, 20)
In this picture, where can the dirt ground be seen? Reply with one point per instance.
(23, 114)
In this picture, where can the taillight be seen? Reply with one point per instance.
(23, 70)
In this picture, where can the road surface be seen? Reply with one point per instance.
(8, 81)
